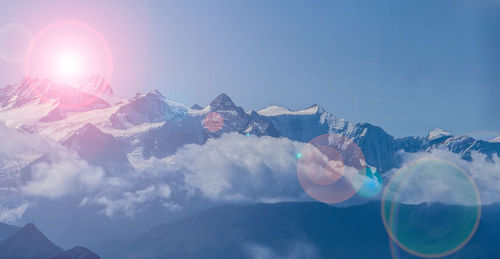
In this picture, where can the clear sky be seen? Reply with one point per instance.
(407, 66)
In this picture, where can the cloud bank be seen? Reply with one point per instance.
(439, 185)
(232, 168)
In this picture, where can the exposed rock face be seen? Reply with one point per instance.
(98, 148)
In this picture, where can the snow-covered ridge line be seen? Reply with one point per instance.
(437, 133)
(158, 126)
(275, 110)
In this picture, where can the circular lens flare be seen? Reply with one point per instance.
(331, 168)
(372, 184)
(431, 208)
(66, 52)
(14, 42)
(44, 57)
(213, 122)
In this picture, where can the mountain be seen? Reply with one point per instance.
(196, 107)
(7, 230)
(146, 108)
(457, 144)
(308, 230)
(61, 99)
(152, 125)
(98, 86)
(28, 243)
(98, 148)
(125, 137)
(77, 253)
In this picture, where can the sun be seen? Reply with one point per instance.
(68, 52)
(69, 65)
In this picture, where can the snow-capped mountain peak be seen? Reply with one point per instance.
(158, 126)
(437, 133)
(196, 107)
(222, 102)
(275, 110)
(98, 86)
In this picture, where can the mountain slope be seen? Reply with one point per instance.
(7, 230)
(98, 148)
(311, 230)
(28, 243)
(77, 253)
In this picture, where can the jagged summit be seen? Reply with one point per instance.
(146, 108)
(86, 95)
(437, 133)
(196, 107)
(89, 129)
(150, 121)
(98, 86)
(222, 102)
(156, 92)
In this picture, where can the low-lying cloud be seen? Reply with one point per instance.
(296, 250)
(436, 186)
(232, 168)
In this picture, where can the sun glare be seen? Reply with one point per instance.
(69, 65)
(67, 52)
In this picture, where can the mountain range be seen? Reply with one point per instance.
(156, 126)
(99, 137)
(289, 230)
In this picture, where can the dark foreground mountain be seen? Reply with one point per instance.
(288, 230)
(29, 243)
(77, 253)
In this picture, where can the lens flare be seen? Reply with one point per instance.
(68, 42)
(213, 122)
(69, 65)
(372, 184)
(331, 168)
(14, 42)
(66, 52)
(431, 208)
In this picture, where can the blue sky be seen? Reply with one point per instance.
(407, 66)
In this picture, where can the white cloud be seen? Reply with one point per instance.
(232, 168)
(235, 167)
(60, 171)
(132, 202)
(12, 215)
(296, 250)
(67, 174)
(438, 184)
